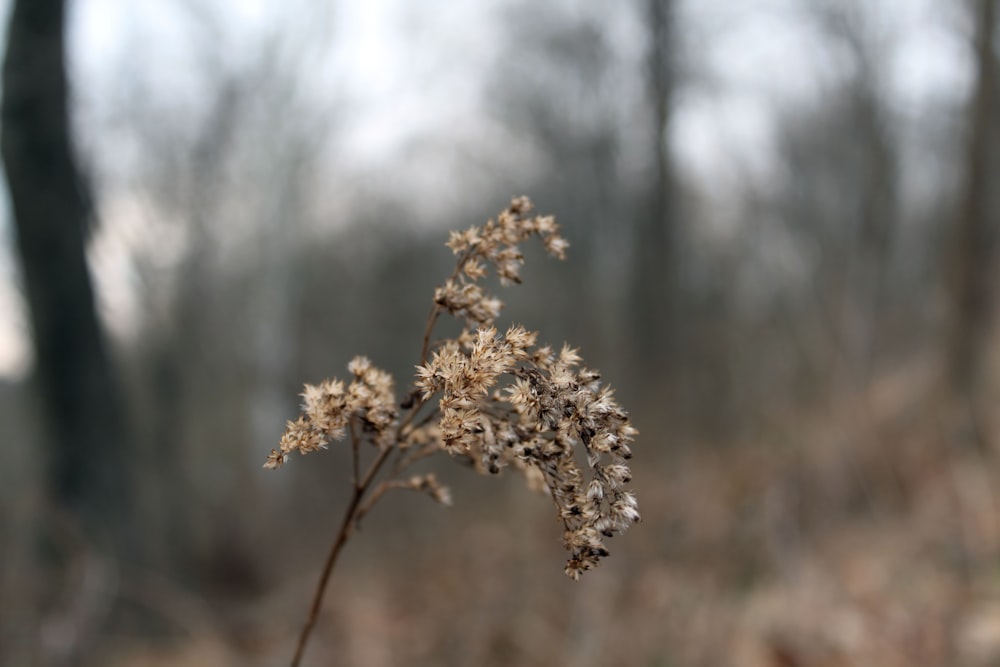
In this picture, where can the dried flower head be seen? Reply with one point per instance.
(501, 400)
(548, 414)
(328, 408)
(494, 244)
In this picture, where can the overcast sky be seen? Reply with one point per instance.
(409, 67)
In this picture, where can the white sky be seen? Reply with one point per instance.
(412, 67)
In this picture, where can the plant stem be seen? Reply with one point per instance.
(355, 509)
(346, 529)
(431, 321)
(379, 491)
(355, 456)
(436, 310)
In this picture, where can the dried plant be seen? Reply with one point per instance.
(501, 400)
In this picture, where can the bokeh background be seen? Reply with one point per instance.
(784, 218)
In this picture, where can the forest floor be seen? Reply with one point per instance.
(868, 534)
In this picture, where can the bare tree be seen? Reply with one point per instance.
(876, 180)
(87, 451)
(567, 104)
(654, 255)
(218, 334)
(972, 261)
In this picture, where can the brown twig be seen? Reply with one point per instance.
(431, 321)
(413, 456)
(405, 456)
(355, 454)
(346, 529)
(537, 420)
(379, 491)
(437, 309)
(355, 510)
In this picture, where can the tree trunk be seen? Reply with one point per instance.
(654, 273)
(86, 454)
(972, 271)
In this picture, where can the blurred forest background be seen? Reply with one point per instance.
(784, 223)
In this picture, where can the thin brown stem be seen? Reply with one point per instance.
(355, 454)
(355, 510)
(436, 310)
(346, 529)
(426, 419)
(407, 420)
(428, 330)
(376, 495)
(405, 456)
(404, 424)
(414, 456)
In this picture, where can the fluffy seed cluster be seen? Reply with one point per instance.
(502, 400)
(329, 408)
(493, 244)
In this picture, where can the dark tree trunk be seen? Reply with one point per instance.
(86, 457)
(878, 220)
(972, 268)
(654, 272)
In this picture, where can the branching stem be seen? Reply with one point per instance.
(523, 417)
(347, 526)
(428, 330)
(355, 509)
(355, 455)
